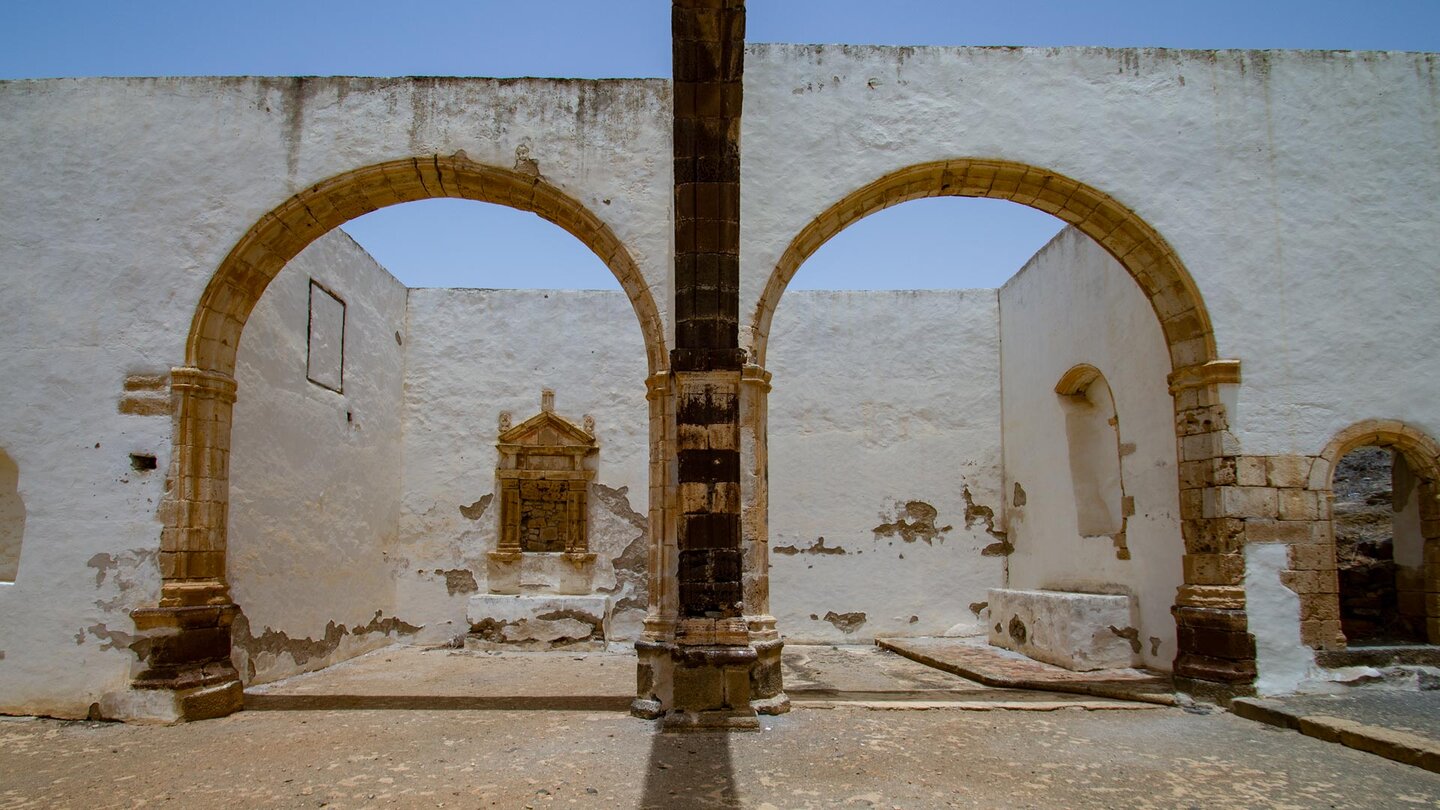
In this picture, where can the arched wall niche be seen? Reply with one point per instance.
(190, 625)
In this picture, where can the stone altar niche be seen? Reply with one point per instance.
(541, 592)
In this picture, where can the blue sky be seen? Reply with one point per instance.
(921, 244)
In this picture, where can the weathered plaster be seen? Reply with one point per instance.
(1073, 304)
(1283, 661)
(314, 473)
(471, 354)
(884, 440)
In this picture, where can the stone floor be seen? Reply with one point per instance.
(831, 751)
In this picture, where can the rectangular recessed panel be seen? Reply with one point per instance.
(325, 363)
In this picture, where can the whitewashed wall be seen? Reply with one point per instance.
(315, 474)
(120, 197)
(470, 355)
(885, 405)
(1072, 304)
(1297, 187)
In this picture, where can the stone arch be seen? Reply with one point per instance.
(188, 634)
(1142, 251)
(1422, 454)
(1210, 606)
(282, 233)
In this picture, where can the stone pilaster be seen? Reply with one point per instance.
(766, 684)
(185, 643)
(1216, 653)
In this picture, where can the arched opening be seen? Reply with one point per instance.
(1184, 380)
(351, 338)
(1382, 512)
(1379, 553)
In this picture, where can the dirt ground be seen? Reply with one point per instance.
(826, 753)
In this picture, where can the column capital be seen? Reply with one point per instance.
(202, 384)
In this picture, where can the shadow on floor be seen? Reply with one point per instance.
(690, 769)
(305, 703)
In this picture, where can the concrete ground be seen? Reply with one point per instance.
(963, 750)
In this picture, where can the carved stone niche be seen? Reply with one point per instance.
(546, 465)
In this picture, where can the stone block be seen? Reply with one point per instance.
(1078, 631)
(1299, 504)
(1250, 471)
(1288, 471)
(539, 622)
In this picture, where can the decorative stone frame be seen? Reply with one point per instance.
(544, 448)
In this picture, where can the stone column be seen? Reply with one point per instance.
(186, 638)
(766, 683)
(711, 660)
(1216, 653)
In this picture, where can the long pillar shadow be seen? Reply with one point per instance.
(690, 769)
(307, 703)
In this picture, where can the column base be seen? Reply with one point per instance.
(708, 687)
(187, 674)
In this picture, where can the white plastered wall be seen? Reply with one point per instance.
(470, 355)
(1297, 188)
(1072, 304)
(118, 200)
(883, 401)
(315, 473)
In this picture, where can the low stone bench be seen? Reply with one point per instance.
(537, 622)
(1077, 631)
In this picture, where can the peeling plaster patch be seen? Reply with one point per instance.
(117, 640)
(2, 655)
(476, 510)
(1130, 634)
(459, 580)
(1019, 497)
(1282, 659)
(302, 650)
(916, 521)
(977, 607)
(129, 560)
(974, 513)
(914, 619)
(845, 622)
(818, 547)
(630, 566)
(1154, 645)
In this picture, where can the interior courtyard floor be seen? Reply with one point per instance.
(408, 727)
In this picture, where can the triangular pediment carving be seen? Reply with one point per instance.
(547, 429)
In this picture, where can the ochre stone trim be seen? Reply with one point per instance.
(1144, 254)
(283, 232)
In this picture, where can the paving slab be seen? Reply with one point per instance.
(1395, 724)
(975, 659)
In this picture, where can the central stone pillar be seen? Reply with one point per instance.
(701, 674)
